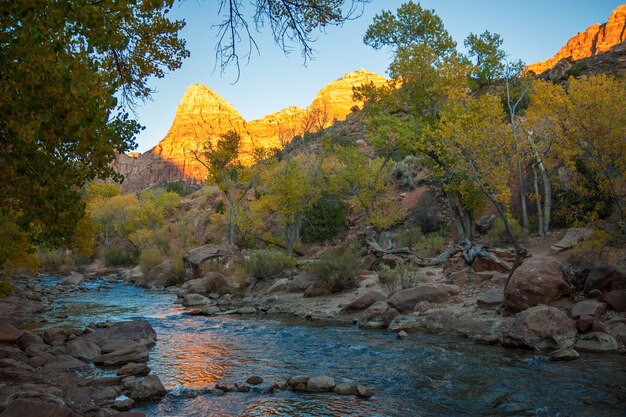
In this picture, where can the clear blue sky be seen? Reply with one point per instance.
(533, 30)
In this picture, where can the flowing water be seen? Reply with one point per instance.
(424, 375)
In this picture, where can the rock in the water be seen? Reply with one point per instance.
(63, 362)
(402, 335)
(132, 275)
(134, 369)
(346, 389)
(161, 276)
(565, 354)
(211, 283)
(403, 322)
(123, 403)
(605, 278)
(9, 333)
(83, 349)
(320, 384)
(587, 308)
(364, 392)
(536, 281)
(23, 407)
(405, 300)
(74, 278)
(278, 286)
(541, 327)
(191, 300)
(133, 352)
(254, 380)
(377, 316)
(364, 301)
(297, 380)
(146, 389)
(616, 299)
(597, 342)
(210, 310)
(490, 299)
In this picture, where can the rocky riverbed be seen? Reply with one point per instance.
(85, 345)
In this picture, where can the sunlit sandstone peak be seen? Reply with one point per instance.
(597, 39)
(203, 114)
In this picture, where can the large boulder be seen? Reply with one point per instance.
(159, 277)
(212, 282)
(405, 300)
(377, 316)
(192, 300)
(121, 334)
(9, 333)
(320, 384)
(605, 278)
(63, 362)
(597, 342)
(24, 407)
(364, 301)
(278, 285)
(130, 276)
(587, 308)
(146, 389)
(536, 281)
(83, 349)
(616, 300)
(300, 282)
(74, 278)
(133, 352)
(197, 257)
(541, 327)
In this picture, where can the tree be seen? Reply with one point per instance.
(488, 58)
(64, 65)
(224, 169)
(585, 124)
(291, 22)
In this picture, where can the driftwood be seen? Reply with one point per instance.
(470, 252)
(374, 246)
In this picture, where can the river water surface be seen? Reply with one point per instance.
(424, 375)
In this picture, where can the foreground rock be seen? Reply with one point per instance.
(597, 342)
(159, 277)
(9, 333)
(133, 352)
(74, 278)
(146, 389)
(541, 327)
(23, 407)
(405, 300)
(536, 281)
(320, 384)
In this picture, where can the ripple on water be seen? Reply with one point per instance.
(424, 375)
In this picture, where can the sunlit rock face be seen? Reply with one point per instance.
(597, 39)
(203, 114)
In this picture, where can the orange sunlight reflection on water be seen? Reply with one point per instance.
(196, 364)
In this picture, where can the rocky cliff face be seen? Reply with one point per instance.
(597, 39)
(203, 114)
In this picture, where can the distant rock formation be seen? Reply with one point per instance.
(597, 39)
(203, 114)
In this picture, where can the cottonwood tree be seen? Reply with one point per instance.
(487, 55)
(67, 69)
(221, 159)
(584, 124)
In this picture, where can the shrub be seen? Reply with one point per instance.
(150, 258)
(408, 237)
(6, 288)
(264, 263)
(117, 257)
(405, 275)
(431, 244)
(405, 173)
(324, 219)
(56, 261)
(336, 270)
(497, 235)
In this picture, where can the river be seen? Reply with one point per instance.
(424, 375)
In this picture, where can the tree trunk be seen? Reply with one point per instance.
(538, 203)
(289, 238)
(231, 220)
(461, 227)
(522, 196)
(547, 198)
